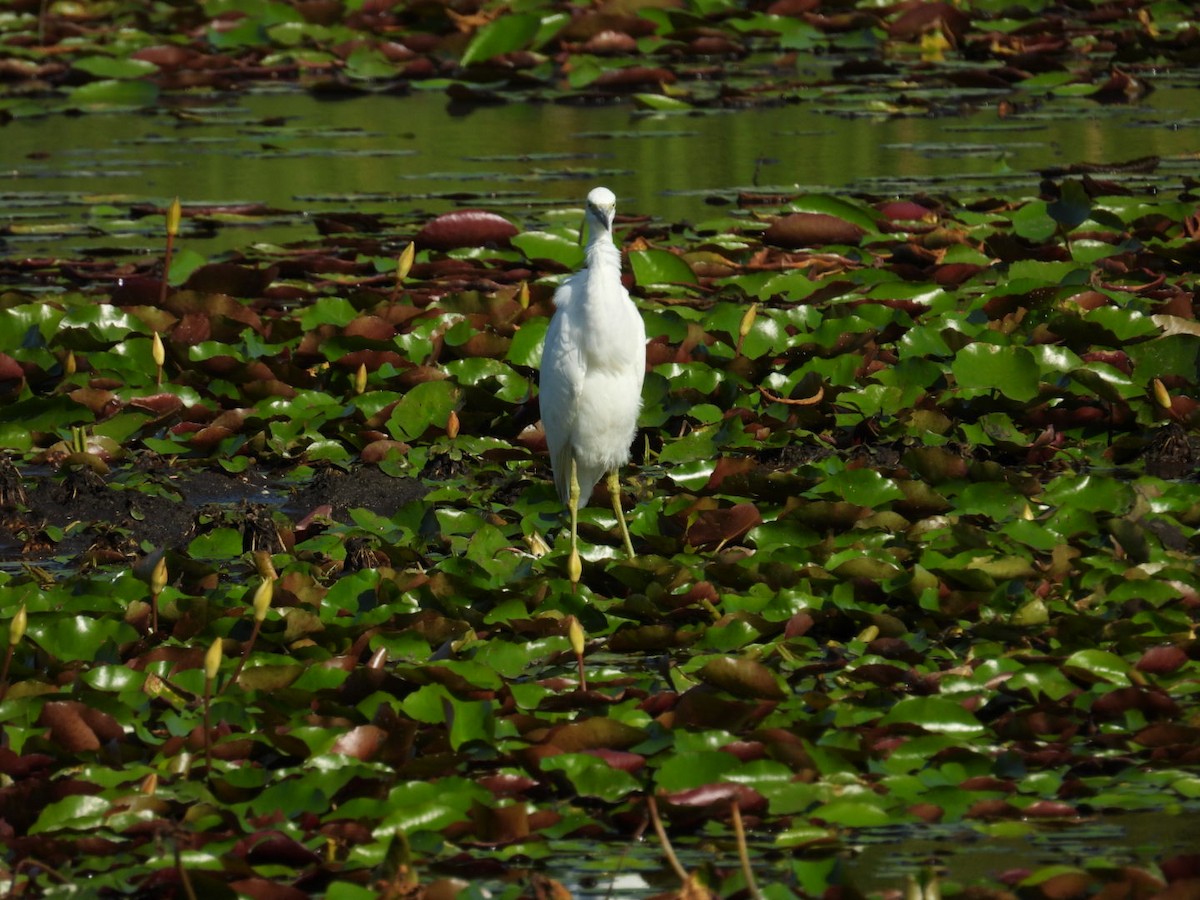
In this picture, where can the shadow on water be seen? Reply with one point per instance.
(882, 859)
(69, 182)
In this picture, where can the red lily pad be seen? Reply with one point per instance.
(466, 228)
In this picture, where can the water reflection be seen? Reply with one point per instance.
(304, 155)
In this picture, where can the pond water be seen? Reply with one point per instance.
(68, 181)
(879, 860)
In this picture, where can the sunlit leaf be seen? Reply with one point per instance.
(1012, 371)
(114, 93)
(660, 267)
(426, 406)
(940, 715)
(504, 35)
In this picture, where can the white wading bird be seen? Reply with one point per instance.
(593, 365)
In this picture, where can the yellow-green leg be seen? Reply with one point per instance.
(614, 491)
(574, 566)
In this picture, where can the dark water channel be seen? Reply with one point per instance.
(67, 182)
(880, 860)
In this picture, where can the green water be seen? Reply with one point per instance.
(67, 183)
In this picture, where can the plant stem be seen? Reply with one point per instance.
(668, 850)
(739, 831)
(8, 655)
(245, 655)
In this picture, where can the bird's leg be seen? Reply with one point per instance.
(574, 566)
(614, 491)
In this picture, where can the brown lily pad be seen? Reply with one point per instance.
(798, 230)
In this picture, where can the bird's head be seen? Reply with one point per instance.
(599, 214)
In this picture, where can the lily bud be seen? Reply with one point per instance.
(575, 635)
(405, 261)
(158, 576)
(212, 660)
(262, 599)
(452, 425)
(523, 295)
(574, 566)
(747, 322)
(16, 628)
(174, 214)
(69, 364)
(360, 378)
(1161, 394)
(157, 352)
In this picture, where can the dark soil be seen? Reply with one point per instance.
(152, 504)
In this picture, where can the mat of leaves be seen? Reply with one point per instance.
(914, 500)
(915, 58)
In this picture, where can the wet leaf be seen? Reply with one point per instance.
(466, 228)
(939, 715)
(109, 92)
(660, 267)
(742, 678)
(426, 406)
(112, 67)
(504, 35)
(544, 245)
(812, 230)
(1098, 665)
(1011, 371)
(592, 776)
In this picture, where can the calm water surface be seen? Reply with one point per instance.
(408, 157)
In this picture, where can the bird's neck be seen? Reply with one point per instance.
(601, 252)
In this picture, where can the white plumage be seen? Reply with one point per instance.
(593, 366)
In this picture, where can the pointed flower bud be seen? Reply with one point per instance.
(174, 214)
(747, 322)
(405, 262)
(575, 635)
(212, 660)
(157, 352)
(360, 378)
(158, 575)
(1161, 394)
(262, 599)
(16, 628)
(452, 425)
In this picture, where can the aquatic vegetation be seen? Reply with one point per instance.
(861, 59)
(283, 573)
(915, 527)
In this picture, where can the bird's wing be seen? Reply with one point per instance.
(559, 386)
